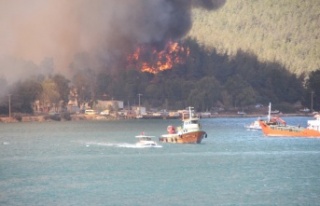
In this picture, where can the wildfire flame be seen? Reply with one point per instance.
(153, 61)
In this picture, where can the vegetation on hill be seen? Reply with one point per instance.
(246, 53)
(206, 80)
(285, 31)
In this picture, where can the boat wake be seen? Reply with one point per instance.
(253, 130)
(121, 145)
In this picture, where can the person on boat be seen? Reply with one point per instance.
(171, 129)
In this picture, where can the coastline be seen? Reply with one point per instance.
(51, 118)
(83, 117)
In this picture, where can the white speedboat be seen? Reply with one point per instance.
(146, 141)
(254, 125)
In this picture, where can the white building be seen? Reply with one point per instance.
(102, 105)
(139, 110)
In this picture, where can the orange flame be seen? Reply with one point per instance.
(153, 61)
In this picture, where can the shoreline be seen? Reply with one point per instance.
(83, 117)
(54, 118)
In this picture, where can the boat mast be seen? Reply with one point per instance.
(190, 112)
(269, 112)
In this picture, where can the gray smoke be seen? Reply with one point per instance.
(37, 36)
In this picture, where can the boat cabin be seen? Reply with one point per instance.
(144, 137)
(314, 124)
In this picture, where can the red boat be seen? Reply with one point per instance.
(278, 127)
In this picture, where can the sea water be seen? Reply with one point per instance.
(97, 163)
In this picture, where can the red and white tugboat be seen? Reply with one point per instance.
(189, 133)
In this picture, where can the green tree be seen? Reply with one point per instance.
(4, 86)
(50, 95)
(104, 81)
(155, 95)
(23, 95)
(85, 84)
(206, 93)
(63, 87)
(241, 92)
(313, 89)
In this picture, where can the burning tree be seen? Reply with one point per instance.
(148, 58)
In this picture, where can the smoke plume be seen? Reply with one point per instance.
(42, 35)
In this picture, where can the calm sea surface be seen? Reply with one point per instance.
(97, 163)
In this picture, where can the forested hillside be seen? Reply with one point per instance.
(206, 80)
(246, 53)
(287, 31)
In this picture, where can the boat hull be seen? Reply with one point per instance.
(147, 145)
(288, 131)
(186, 138)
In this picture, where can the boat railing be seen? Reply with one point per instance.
(287, 128)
